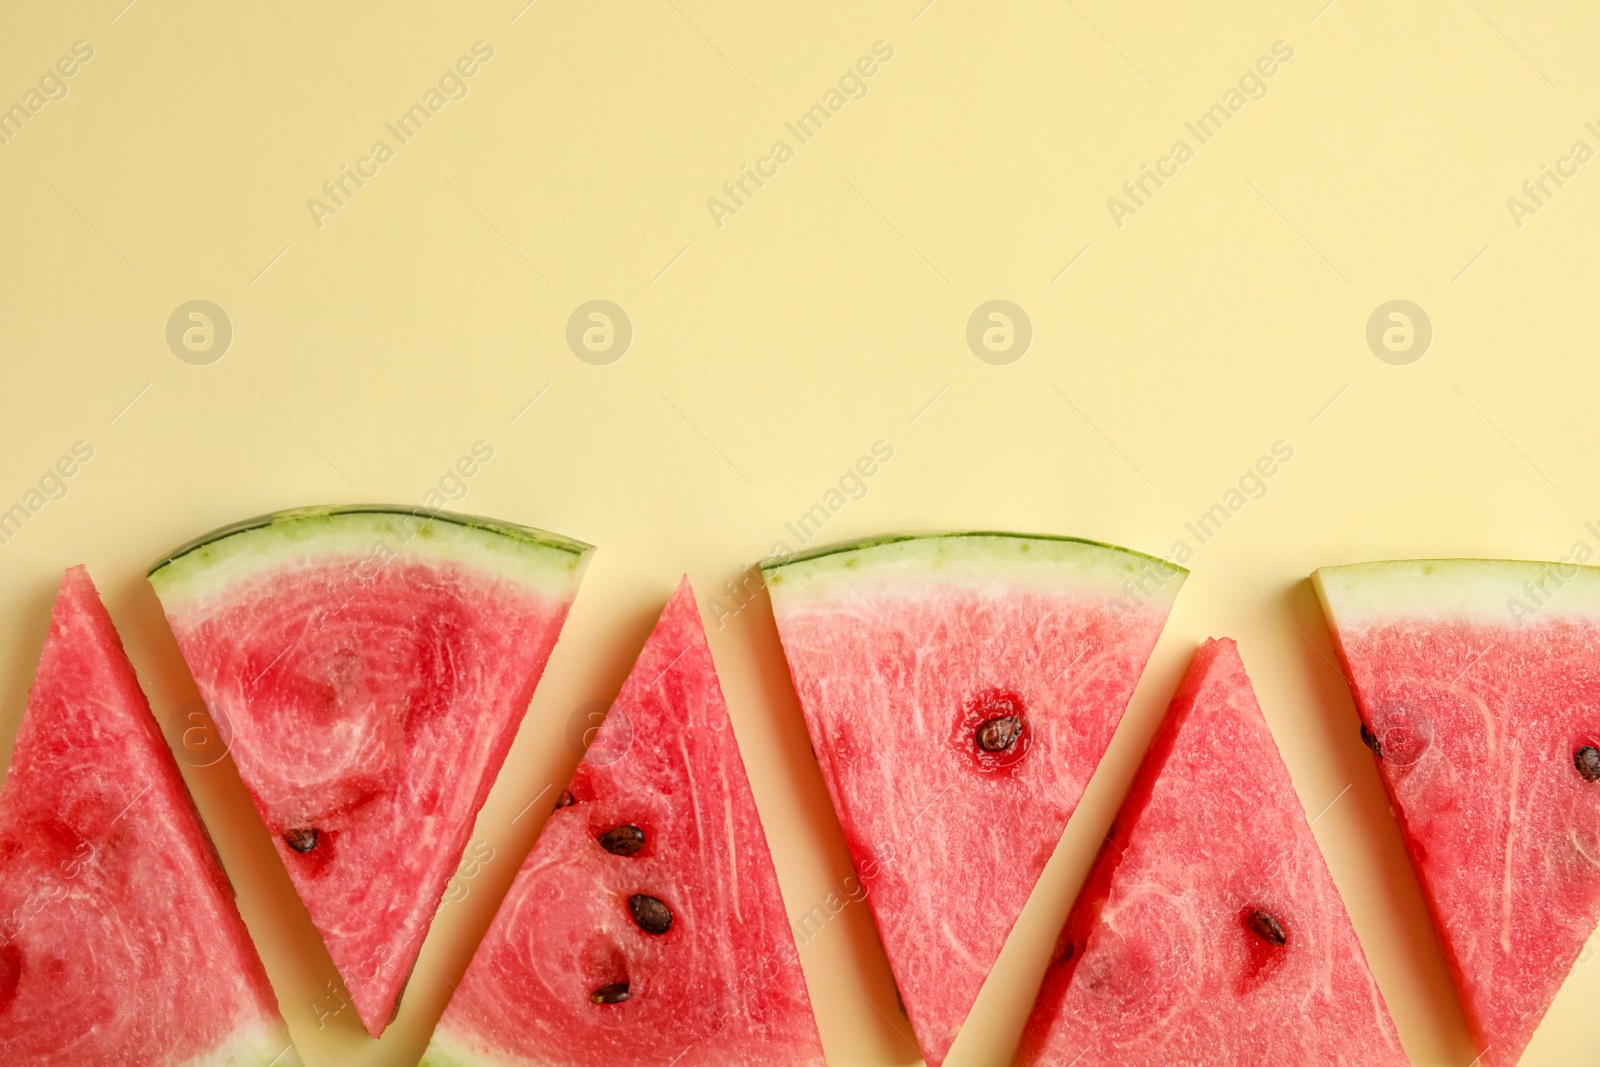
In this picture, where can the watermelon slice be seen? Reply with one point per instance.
(373, 667)
(959, 690)
(119, 939)
(1478, 685)
(1209, 930)
(645, 927)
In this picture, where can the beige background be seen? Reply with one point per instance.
(829, 312)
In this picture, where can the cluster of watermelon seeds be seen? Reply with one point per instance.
(650, 913)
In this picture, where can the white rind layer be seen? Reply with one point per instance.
(367, 539)
(445, 1051)
(978, 558)
(266, 1045)
(1490, 590)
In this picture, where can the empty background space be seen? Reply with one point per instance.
(783, 328)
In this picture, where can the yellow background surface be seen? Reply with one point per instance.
(375, 344)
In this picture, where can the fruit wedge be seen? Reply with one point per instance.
(645, 929)
(1478, 685)
(960, 690)
(1209, 930)
(372, 667)
(120, 942)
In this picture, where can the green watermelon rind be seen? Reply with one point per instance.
(1079, 558)
(214, 560)
(1491, 589)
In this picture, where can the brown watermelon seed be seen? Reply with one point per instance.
(567, 800)
(301, 840)
(652, 916)
(1587, 760)
(1267, 928)
(624, 840)
(1370, 739)
(615, 993)
(1066, 954)
(997, 735)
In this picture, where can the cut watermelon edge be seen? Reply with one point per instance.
(369, 535)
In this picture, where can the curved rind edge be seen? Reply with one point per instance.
(514, 531)
(773, 568)
(374, 532)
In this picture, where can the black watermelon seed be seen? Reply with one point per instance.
(301, 840)
(624, 840)
(615, 993)
(1267, 928)
(1370, 739)
(1067, 954)
(567, 800)
(652, 916)
(997, 735)
(1587, 760)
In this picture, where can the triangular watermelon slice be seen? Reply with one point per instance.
(373, 667)
(120, 942)
(960, 690)
(1478, 685)
(645, 929)
(1209, 930)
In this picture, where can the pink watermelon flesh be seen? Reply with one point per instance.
(722, 984)
(372, 701)
(900, 651)
(1209, 930)
(1478, 713)
(119, 939)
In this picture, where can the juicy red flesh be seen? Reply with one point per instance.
(119, 939)
(567, 975)
(378, 713)
(1176, 957)
(949, 839)
(1479, 724)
